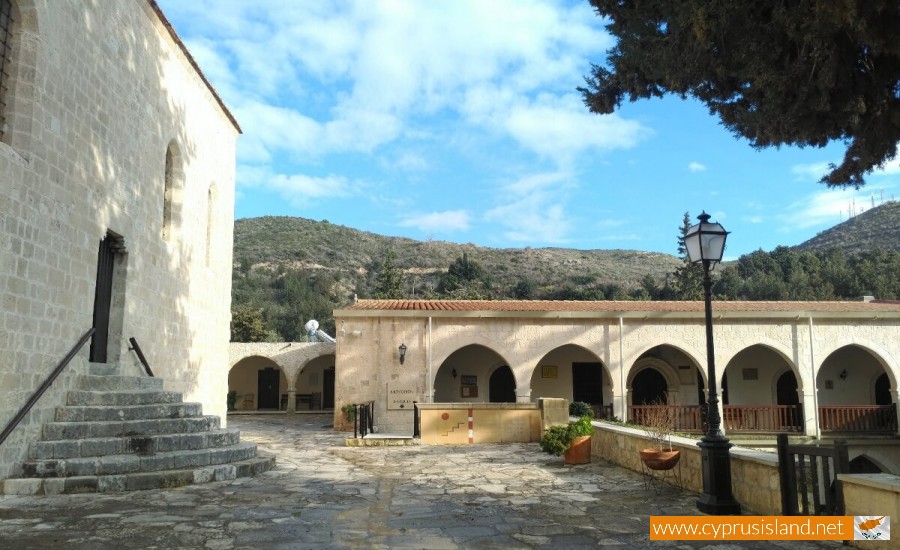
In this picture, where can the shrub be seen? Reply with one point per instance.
(580, 408)
(558, 439)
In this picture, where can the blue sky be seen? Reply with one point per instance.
(459, 121)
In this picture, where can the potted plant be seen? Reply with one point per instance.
(573, 441)
(658, 422)
(231, 399)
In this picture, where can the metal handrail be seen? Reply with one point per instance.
(43, 387)
(137, 349)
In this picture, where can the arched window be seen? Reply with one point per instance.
(168, 191)
(172, 192)
(6, 47)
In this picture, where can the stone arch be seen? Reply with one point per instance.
(560, 378)
(248, 377)
(17, 85)
(173, 187)
(865, 464)
(763, 389)
(874, 349)
(691, 353)
(783, 351)
(439, 356)
(466, 364)
(664, 369)
(835, 382)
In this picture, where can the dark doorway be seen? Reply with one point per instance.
(267, 388)
(587, 383)
(786, 389)
(648, 388)
(328, 388)
(862, 465)
(110, 246)
(502, 386)
(882, 390)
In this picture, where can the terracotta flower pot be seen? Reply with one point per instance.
(579, 451)
(660, 460)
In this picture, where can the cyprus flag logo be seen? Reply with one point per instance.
(871, 527)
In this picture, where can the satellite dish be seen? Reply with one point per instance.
(311, 327)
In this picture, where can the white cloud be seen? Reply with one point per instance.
(532, 209)
(439, 222)
(825, 207)
(352, 76)
(298, 189)
(695, 166)
(807, 172)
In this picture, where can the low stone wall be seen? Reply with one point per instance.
(467, 423)
(754, 474)
(872, 495)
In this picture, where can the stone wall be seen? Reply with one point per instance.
(872, 495)
(100, 91)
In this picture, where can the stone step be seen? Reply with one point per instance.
(76, 448)
(103, 369)
(130, 463)
(93, 413)
(86, 430)
(138, 480)
(113, 383)
(115, 398)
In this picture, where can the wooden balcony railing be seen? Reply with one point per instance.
(603, 412)
(874, 419)
(870, 419)
(762, 418)
(688, 418)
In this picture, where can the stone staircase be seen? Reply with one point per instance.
(125, 433)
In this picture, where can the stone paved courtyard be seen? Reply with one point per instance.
(324, 495)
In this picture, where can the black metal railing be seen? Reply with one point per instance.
(417, 428)
(140, 354)
(364, 420)
(810, 473)
(43, 387)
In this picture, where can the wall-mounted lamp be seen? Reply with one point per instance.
(402, 353)
(453, 373)
(843, 374)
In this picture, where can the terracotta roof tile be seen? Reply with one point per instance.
(618, 306)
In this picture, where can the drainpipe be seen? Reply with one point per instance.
(624, 408)
(815, 389)
(429, 393)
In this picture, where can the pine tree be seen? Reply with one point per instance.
(688, 280)
(389, 280)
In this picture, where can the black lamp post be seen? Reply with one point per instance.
(705, 243)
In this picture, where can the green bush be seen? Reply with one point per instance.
(580, 408)
(558, 439)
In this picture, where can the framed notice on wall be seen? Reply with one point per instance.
(468, 391)
(548, 371)
(468, 380)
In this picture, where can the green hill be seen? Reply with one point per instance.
(876, 228)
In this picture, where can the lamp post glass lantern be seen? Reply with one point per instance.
(705, 243)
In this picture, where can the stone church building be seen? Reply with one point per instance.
(117, 169)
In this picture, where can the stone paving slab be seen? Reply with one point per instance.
(322, 494)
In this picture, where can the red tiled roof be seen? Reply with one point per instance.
(873, 307)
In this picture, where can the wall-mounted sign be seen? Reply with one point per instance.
(400, 396)
(468, 391)
(548, 371)
(468, 380)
